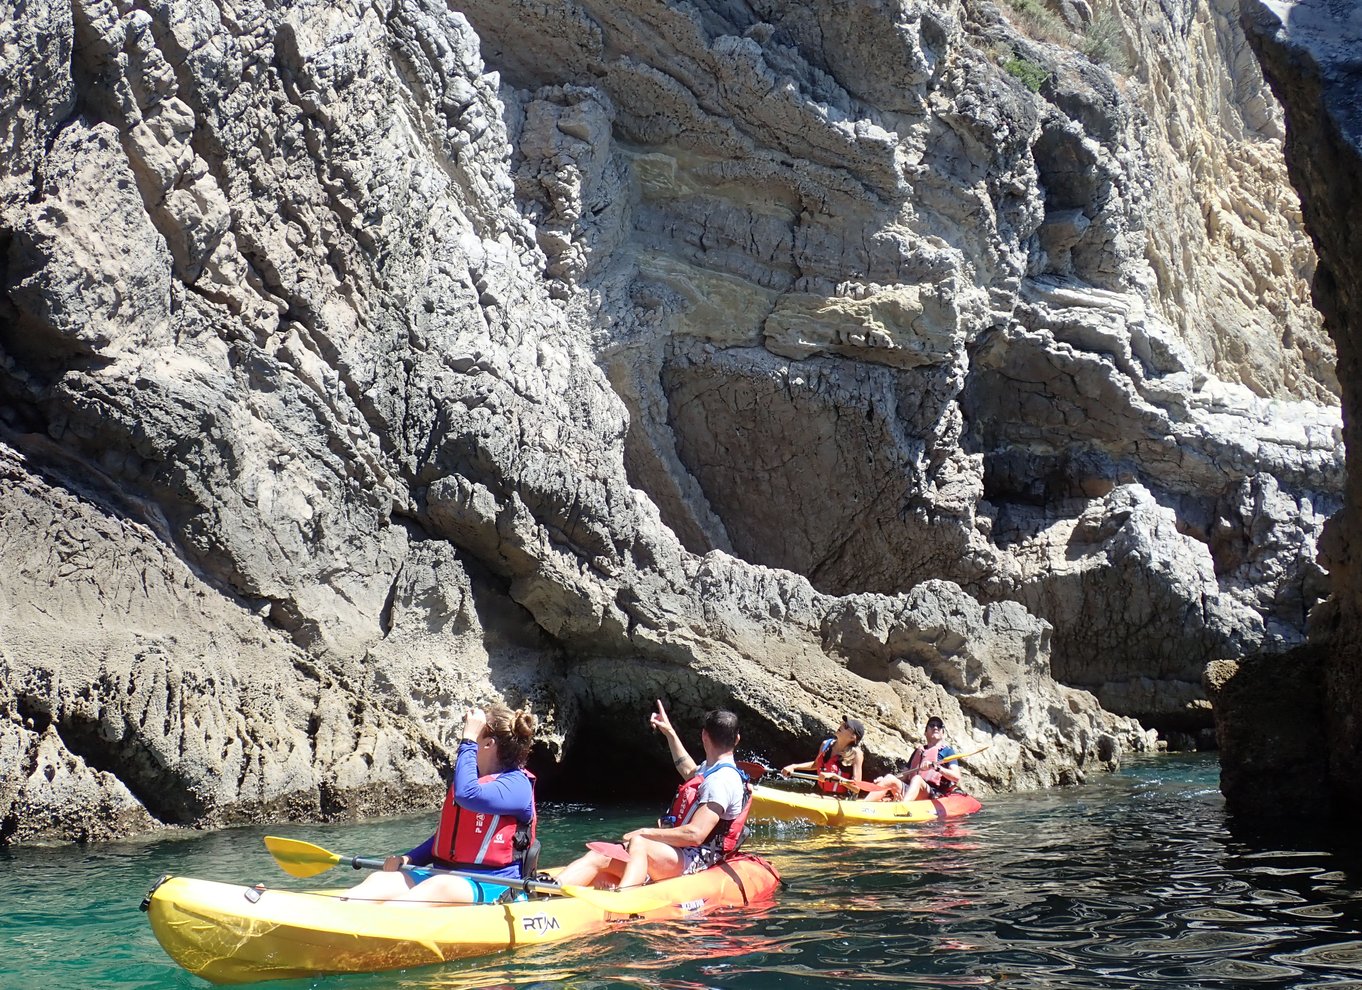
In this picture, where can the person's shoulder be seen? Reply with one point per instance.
(516, 778)
(520, 787)
(735, 781)
(727, 788)
(716, 774)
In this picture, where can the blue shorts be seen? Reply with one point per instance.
(482, 891)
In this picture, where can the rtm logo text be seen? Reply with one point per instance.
(539, 923)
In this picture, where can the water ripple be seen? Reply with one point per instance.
(1137, 880)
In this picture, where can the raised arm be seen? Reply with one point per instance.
(685, 766)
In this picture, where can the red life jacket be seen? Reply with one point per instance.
(825, 761)
(939, 783)
(728, 834)
(476, 839)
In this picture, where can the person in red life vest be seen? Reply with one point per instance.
(704, 825)
(487, 824)
(927, 776)
(839, 758)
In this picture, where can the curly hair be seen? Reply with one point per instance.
(513, 731)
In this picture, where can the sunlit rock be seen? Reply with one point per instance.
(892, 358)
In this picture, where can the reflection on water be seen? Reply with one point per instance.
(1135, 880)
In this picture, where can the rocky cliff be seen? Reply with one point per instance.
(362, 361)
(1291, 724)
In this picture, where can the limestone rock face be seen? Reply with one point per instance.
(1309, 54)
(136, 694)
(359, 363)
(1224, 246)
(933, 335)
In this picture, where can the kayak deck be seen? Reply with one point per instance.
(824, 809)
(228, 933)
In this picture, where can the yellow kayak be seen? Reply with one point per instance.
(227, 933)
(774, 804)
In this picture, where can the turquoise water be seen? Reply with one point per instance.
(1136, 879)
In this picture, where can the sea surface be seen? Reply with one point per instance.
(1135, 879)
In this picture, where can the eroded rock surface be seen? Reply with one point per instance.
(1309, 53)
(933, 335)
(380, 359)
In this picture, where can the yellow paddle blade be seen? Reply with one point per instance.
(300, 859)
(966, 756)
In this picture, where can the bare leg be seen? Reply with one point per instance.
(584, 870)
(892, 782)
(381, 886)
(441, 890)
(650, 858)
(917, 790)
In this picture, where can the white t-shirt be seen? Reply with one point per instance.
(722, 787)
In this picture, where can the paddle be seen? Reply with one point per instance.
(953, 756)
(303, 859)
(937, 763)
(876, 789)
(860, 785)
(612, 849)
(754, 771)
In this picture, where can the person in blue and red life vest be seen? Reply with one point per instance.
(927, 775)
(487, 824)
(839, 758)
(706, 821)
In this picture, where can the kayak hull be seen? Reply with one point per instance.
(773, 804)
(227, 933)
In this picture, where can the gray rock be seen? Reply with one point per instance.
(1309, 53)
(580, 356)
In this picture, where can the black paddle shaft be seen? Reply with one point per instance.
(366, 862)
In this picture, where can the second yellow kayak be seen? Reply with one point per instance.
(774, 804)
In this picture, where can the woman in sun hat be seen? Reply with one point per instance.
(839, 758)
